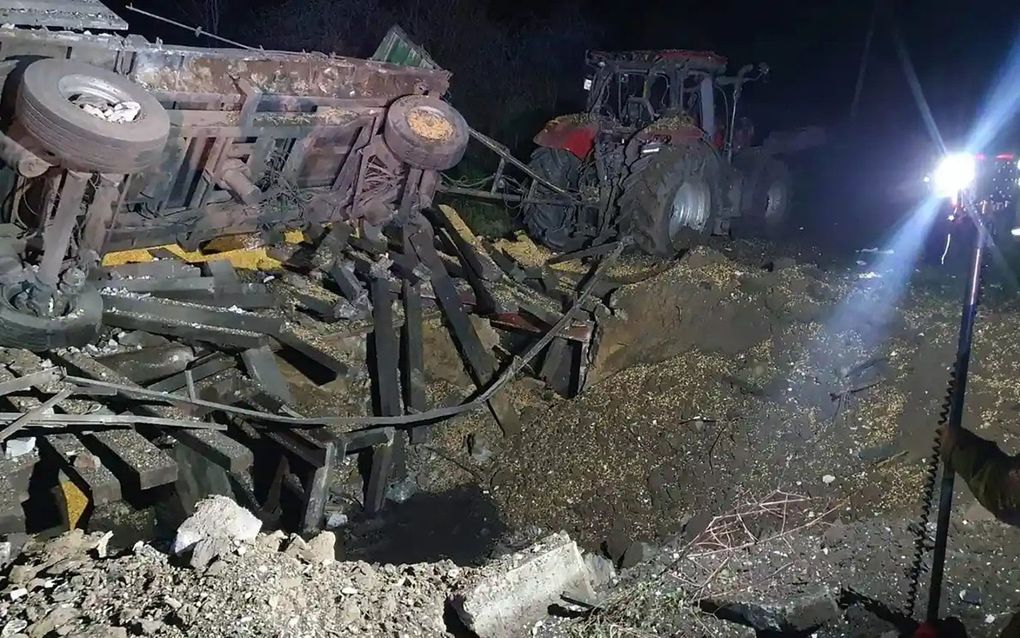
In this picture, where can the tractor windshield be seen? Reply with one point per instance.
(636, 97)
(633, 98)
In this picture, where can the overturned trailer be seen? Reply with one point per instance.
(114, 142)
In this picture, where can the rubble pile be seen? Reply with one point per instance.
(270, 585)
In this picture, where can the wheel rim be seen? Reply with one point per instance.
(775, 200)
(690, 209)
(95, 95)
(430, 123)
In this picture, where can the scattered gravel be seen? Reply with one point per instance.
(255, 590)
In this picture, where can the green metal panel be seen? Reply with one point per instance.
(397, 48)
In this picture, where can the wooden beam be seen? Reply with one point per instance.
(480, 362)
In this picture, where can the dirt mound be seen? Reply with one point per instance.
(729, 376)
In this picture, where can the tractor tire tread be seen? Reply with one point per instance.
(649, 186)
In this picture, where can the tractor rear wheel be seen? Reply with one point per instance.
(552, 225)
(669, 196)
(765, 201)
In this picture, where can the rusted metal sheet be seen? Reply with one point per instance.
(195, 70)
(66, 14)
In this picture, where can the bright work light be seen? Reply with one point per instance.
(954, 173)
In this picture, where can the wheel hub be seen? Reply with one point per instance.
(429, 123)
(690, 209)
(99, 99)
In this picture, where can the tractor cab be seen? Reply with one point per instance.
(659, 152)
(638, 88)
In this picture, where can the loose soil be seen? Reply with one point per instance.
(730, 375)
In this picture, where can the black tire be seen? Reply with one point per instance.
(765, 197)
(76, 327)
(554, 226)
(426, 132)
(82, 141)
(652, 187)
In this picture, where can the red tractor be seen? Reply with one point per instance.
(659, 153)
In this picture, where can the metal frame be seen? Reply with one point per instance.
(259, 140)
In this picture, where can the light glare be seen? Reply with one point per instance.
(954, 173)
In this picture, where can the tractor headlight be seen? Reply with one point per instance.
(955, 173)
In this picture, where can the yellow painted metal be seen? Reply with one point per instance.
(75, 501)
(242, 251)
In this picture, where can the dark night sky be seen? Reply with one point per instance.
(812, 46)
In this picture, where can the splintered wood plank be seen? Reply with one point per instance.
(128, 451)
(262, 367)
(184, 330)
(98, 482)
(480, 362)
(413, 358)
(160, 269)
(216, 446)
(290, 339)
(136, 455)
(468, 244)
(386, 352)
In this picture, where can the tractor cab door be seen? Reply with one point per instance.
(706, 92)
(626, 99)
(653, 97)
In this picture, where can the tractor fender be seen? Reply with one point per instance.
(674, 131)
(575, 133)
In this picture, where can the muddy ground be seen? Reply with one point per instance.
(725, 377)
(740, 371)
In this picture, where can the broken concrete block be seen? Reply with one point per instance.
(19, 447)
(296, 546)
(510, 595)
(216, 517)
(272, 541)
(321, 549)
(140, 339)
(601, 571)
(207, 550)
(150, 364)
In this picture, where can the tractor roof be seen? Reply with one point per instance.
(700, 60)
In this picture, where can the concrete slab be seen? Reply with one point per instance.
(509, 596)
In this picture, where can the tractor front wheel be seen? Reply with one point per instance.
(668, 197)
(765, 201)
(554, 225)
